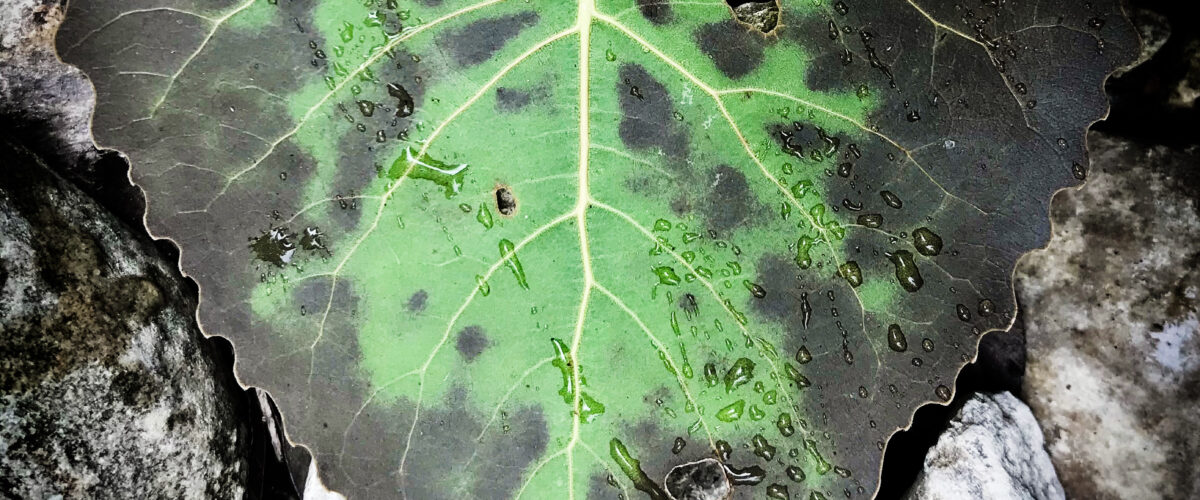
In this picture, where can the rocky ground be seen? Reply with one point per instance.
(107, 388)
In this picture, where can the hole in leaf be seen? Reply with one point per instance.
(758, 14)
(506, 203)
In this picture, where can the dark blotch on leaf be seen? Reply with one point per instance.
(416, 302)
(689, 305)
(655, 11)
(471, 342)
(736, 51)
(647, 116)
(728, 205)
(509, 99)
(700, 480)
(506, 202)
(479, 41)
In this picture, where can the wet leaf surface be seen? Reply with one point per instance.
(553, 249)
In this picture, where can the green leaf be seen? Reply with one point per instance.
(552, 249)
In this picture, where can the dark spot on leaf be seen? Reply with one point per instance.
(471, 342)
(416, 302)
(687, 302)
(647, 115)
(701, 480)
(729, 203)
(479, 41)
(655, 11)
(506, 202)
(736, 51)
(604, 487)
(509, 99)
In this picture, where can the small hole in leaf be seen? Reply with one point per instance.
(762, 15)
(506, 203)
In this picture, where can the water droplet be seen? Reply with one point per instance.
(803, 252)
(367, 108)
(739, 374)
(449, 177)
(964, 314)
(666, 275)
(405, 104)
(927, 242)
(662, 225)
(795, 375)
(891, 199)
(896, 340)
(710, 374)
(1078, 171)
(746, 476)
(609, 55)
(794, 473)
(851, 272)
(508, 252)
(906, 270)
(870, 220)
(633, 470)
(733, 412)
(762, 448)
(778, 492)
(755, 289)
(986, 307)
(822, 466)
(803, 356)
(942, 392)
(484, 216)
(678, 446)
(784, 424)
(927, 345)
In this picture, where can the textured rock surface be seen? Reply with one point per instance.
(1111, 314)
(107, 390)
(35, 88)
(992, 449)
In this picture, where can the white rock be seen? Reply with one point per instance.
(992, 450)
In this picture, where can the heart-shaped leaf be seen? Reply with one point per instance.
(552, 248)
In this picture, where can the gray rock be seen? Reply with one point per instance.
(107, 388)
(37, 89)
(992, 449)
(1187, 91)
(1113, 371)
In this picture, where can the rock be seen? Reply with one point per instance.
(1187, 91)
(107, 388)
(992, 449)
(47, 105)
(1111, 304)
(37, 89)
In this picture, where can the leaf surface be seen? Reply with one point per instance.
(552, 249)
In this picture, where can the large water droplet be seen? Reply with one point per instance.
(927, 242)
(906, 270)
(896, 340)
